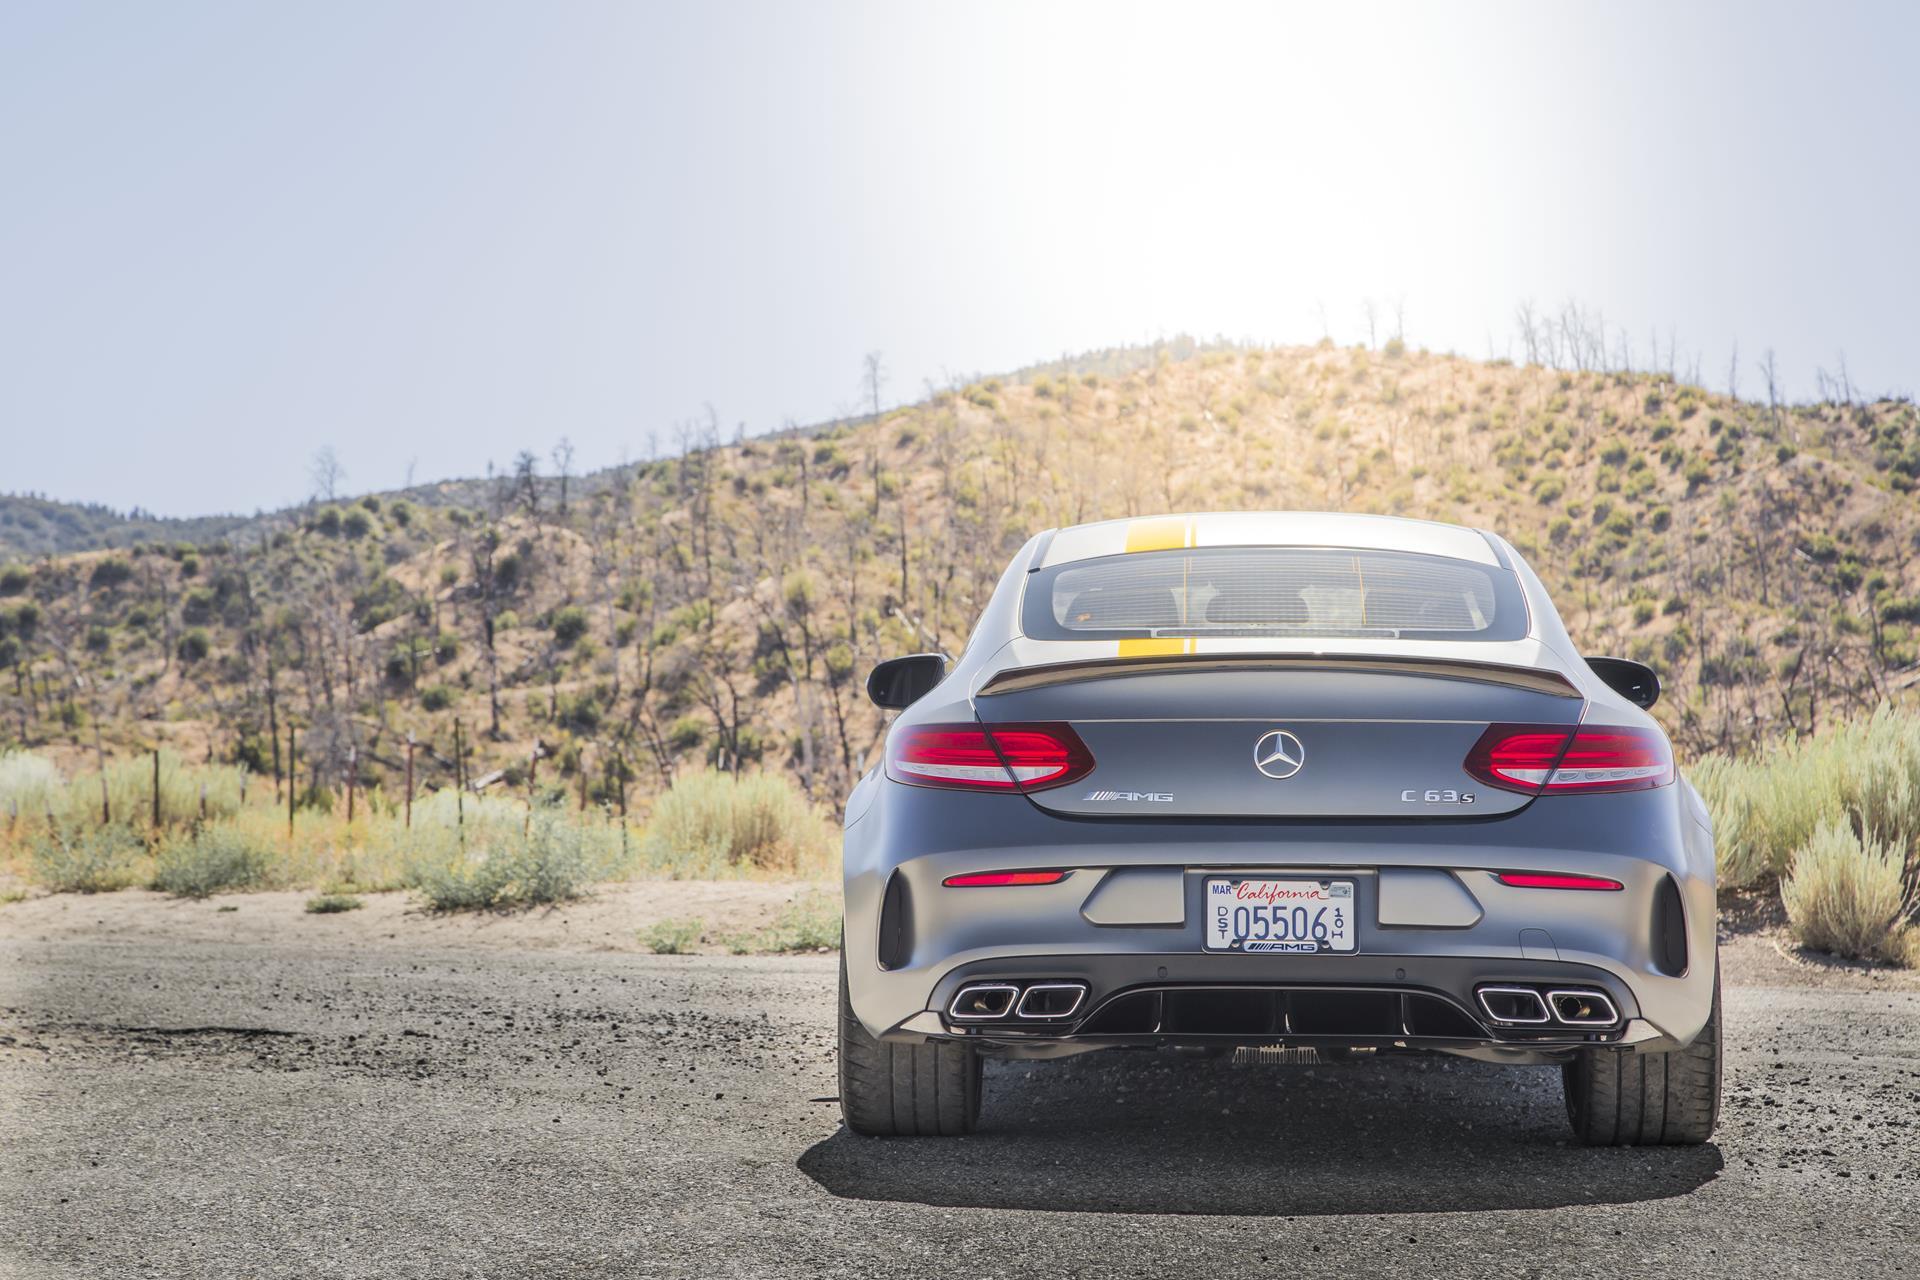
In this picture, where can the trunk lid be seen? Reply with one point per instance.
(1296, 737)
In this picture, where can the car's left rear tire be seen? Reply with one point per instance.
(904, 1090)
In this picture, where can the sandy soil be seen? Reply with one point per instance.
(608, 920)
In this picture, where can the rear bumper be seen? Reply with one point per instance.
(1433, 924)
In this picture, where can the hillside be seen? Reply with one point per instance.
(724, 605)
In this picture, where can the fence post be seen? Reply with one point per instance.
(533, 781)
(156, 791)
(409, 780)
(459, 785)
(293, 760)
(353, 770)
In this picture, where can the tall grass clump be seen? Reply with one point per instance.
(1851, 897)
(199, 864)
(491, 864)
(34, 790)
(28, 784)
(1768, 807)
(85, 859)
(712, 825)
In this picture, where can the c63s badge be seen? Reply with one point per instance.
(1436, 796)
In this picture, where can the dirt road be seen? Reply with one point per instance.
(294, 1103)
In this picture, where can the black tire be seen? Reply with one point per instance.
(904, 1090)
(1617, 1099)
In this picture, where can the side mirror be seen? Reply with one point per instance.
(1633, 681)
(901, 682)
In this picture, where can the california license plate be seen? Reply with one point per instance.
(1279, 915)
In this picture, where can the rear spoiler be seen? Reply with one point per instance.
(1530, 678)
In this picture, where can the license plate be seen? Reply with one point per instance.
(1280, 915)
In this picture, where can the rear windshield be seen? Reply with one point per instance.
(1274, 591)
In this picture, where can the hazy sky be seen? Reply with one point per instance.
(438, 233)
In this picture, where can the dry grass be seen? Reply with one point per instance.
(472, 852)
(1835, 820)
(1850, 897)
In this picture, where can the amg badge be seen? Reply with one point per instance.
(1156, 797)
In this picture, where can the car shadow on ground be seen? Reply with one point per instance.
(1133, 1132)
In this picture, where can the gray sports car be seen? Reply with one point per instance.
(1293, 786)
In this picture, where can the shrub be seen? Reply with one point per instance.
(194, 645)
(86, 860)
(13, 580)
(330, 903)
(110, 573)
(712, 824)
(1849, 897)
(553, 861)
(203, 863)
(671, 937)
(436, 697)
(811, 922)
(569, 624)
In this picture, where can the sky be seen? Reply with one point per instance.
(430, 235)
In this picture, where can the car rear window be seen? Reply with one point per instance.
(1275, 591)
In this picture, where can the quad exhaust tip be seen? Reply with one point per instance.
(1031, 1002)
(1583, 1008)
(1051, 1000)
(981, 1001)
(1514, 1005)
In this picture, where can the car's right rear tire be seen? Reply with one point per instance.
(1624, 1099)
(930, 1089)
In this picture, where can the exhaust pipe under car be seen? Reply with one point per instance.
(981, 1001)
(1583, 1008)
(1051, 1000)
(1514, 1005)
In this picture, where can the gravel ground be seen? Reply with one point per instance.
(309, 1105)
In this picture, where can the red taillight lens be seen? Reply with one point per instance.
(1540, 759)
(1000, 879)
(1001, 757)
(1544, 880)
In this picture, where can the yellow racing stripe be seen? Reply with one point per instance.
(1156, 646)
(1167, 533)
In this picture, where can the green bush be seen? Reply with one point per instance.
(711, 824)
(202, 863)
(569, 624)
(110, 573)
(436, 697)
(85, 860)
(553, 861)
(671, 937)
(811, 922)
(330, 903)
(195, 645)
(1850, 897)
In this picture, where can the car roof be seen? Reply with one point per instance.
(1267, 529)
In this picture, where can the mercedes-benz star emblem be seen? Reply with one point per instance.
(1278, 754)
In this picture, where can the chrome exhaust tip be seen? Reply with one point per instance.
(980, 1001)
(1513, 1006)
(1051, 1000)
(1583, 1008)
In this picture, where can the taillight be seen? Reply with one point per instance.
(1538, 759)
(974, 757)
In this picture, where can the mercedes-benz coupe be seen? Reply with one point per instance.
(1287, 784)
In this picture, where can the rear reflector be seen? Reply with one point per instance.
(1537, 759)
(973, 757)
(1000, 879)
(1545, 880)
